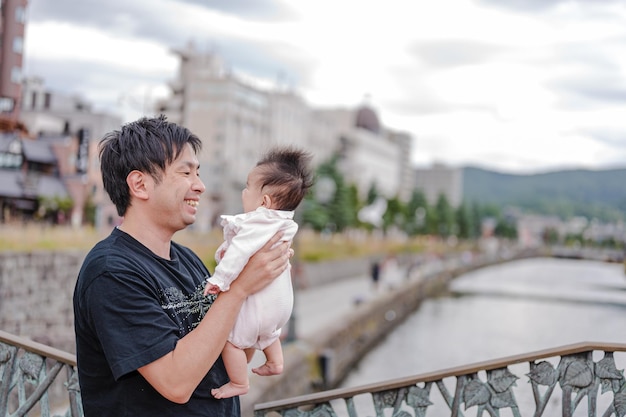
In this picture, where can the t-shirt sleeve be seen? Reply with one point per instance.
(132, 326)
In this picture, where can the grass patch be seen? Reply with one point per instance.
(309, 246)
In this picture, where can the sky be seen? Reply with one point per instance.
(516, 86)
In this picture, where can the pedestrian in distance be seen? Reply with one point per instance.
(148, 342)
(375, 273)
(274, 188)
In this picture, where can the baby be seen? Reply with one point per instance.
(275, 187)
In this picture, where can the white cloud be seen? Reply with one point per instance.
(475, 84)
(62, 41)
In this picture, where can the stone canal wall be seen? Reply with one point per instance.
(36, 291)
(36, 296)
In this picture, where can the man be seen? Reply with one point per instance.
(148, 342)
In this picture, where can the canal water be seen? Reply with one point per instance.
(508, 309)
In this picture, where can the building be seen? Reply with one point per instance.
(237, 121)
(231, 118)
(48, 114)
(370, 155)
(12, 28)
(440, 180)
(35, 173)
(44, 112)
(47, 141)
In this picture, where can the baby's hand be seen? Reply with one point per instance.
(211, 289)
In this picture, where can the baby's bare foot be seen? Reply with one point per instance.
(268, 369)
(229, 390)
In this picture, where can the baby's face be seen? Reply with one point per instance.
(252, 195)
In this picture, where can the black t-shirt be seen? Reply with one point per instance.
(131, 307)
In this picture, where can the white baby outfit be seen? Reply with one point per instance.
(263, 314)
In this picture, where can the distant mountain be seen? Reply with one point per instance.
(593, 194)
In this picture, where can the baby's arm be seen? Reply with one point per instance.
(212, 287)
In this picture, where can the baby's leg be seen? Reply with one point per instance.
(250, 354)
(237, 369)
(274, 360)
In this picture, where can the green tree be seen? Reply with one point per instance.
(476, 221)
(550, 235)
(394, 215)
(313, 213)
(416, 213)
(331, 203)
(353, 201)
(506, 228)
(372, 194)
(445, 217)
(464, 222)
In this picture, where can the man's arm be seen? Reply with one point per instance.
(177, 374)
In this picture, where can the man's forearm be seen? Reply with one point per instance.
(177, 374)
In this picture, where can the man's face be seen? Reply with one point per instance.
(176, 197)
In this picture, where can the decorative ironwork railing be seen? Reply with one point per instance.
(31, 379)
(587, 373)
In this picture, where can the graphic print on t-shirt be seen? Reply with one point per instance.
(186, 309)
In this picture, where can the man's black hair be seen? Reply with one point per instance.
(148, 145)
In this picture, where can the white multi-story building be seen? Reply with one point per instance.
(237, 122)
(370, 155)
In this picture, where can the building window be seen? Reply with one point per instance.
(18, 44)
(7, 104)
(16, 75)
(15, 147)
(20, 14)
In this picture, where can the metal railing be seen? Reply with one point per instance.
(587, 374)
(31, 381)
(583, 371)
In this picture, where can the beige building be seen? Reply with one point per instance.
(238, 121)
(440, 180)
(231, 118)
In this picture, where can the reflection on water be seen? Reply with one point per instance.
(504, 310)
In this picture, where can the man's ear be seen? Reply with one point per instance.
(267, 201)
(137, 186)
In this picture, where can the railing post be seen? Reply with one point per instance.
(24, 363)
(7, 364)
